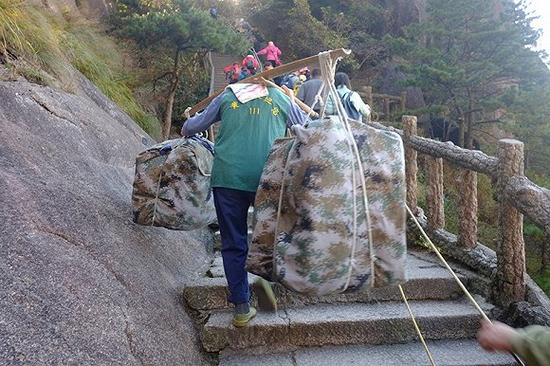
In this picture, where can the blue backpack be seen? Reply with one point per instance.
(289, 81)
(351, 111)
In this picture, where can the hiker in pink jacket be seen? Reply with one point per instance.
(271, 53)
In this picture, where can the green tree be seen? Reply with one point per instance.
(466, 54)
(291, 25)
(175, 31)
(365, 24)
(309, 35)
(528, 117)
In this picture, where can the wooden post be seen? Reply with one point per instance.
(368, 94)
(510, 285)
(387, 110)
(467, 208)
(411, 167)
(403, 101)
(435, 197)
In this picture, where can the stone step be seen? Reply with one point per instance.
(463, 352)
(343, 324)
(427, 281)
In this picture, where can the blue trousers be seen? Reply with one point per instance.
(232, 211)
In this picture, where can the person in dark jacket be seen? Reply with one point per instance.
(214, 12)
(309, 90)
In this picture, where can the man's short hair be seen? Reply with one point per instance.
(315, 73)
(341, 78)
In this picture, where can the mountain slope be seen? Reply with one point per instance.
(79, 282)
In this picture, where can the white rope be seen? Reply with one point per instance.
(453, 274)
(280, 205)
(156, 199)
(328, 69)
(416, 327)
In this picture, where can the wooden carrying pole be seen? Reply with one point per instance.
(269, 74)
(300, 104)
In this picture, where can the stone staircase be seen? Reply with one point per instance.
(220, 61)
(367, 328)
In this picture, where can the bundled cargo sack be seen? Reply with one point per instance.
(172, 185)
(266, 203)
(312, 236)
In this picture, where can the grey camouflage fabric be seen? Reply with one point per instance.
(180, 171)
(313, 249)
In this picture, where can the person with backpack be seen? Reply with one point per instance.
(232, 73)
(214, 12)
(272, 53)
(244, 73)
(252, 116)
(351, 100)
(250, 63)
(288, 80)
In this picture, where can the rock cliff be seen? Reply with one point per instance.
(80, 283)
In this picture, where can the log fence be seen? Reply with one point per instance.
(515, 193)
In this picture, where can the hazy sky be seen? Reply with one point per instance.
(542, 9)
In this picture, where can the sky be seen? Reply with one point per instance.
(542, 9)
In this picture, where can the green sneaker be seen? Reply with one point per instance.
(241, 320)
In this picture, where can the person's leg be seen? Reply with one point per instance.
(232, 211)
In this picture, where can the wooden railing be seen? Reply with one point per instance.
(383, 105)
(516, 195)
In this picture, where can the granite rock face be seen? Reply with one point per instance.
(522, 314)
(80, 283)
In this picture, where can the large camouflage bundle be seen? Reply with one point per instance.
(313, 248)
(172, 185)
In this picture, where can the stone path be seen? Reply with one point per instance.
(219, 62)
(368, 328)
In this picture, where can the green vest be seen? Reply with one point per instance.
(246, 134)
